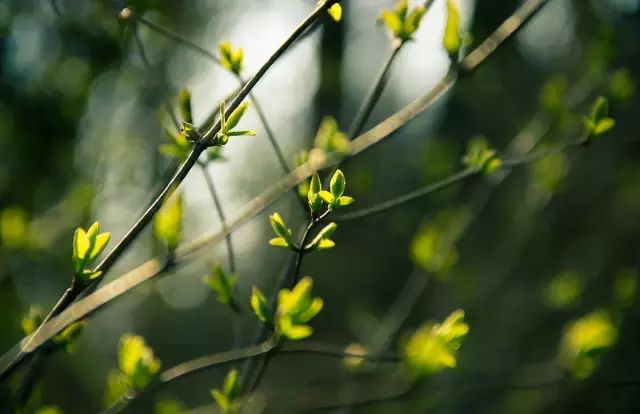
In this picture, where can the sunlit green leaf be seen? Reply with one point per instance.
(585, 340)
(280, 228)
(433, 347)
(335, 12)
(260, 305)
(221, 283)
(136, 360)
(184, 103)
(236, 115)
(167, 224)
(452, 40)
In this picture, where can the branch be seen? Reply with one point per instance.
(452, 180)
(145, 218)
(13, 357)
(221, 216)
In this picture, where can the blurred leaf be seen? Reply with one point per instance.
(564, 290)
(231, 59)
(452, 41)
(296, 307)
(626, 286)
(585, 340)
(137, 361)
(433, 347)
(184, 103)
(480, 156)
(223, 284)
(167, 224)
(13, 227)
(335, 12)
(226, 398)
(330, 138)
(260, 306)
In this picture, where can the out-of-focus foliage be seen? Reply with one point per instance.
(585, 340)
(226, 397)
(167, 224)
(82, 117)
(434, 346)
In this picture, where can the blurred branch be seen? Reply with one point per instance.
(268, 347)
(221, 216)
(455, 179)
(17, 354)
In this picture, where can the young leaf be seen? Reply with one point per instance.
(87, 246)
(335, 12)
(247, 133)
(222, 284)
(236, 116)
(452, 41)
(325, 233)
(326, 196)
(295, 309)
(65, 339)
(137, 361)
(337, 184)
(184, 103)
(480, 156)
(314, 200)
(226, 398)
(326, 244)
(585, 340)
(434, 347)
(280, 228)
(345, 201)
(260, 305)
(279, 242)
(167, 224)
(231, 59)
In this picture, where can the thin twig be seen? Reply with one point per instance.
(221, 216)
(109, 260)
(11, 359)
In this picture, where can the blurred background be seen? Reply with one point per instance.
(523, 252)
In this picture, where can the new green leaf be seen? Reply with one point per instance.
(167, 224)
(260, 305)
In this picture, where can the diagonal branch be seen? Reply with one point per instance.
(17, 354)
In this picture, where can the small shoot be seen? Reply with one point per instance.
(260, 306)
(227, 125)
(480, 157)
(178, 148)
(231, 59)
(585, 341)
(598, 122)
(322, 240)
(434, 347)
(314, 200)
(335, 198)
(295, 308)
(335, 11)
(65, 340)
(167, 224)
(224, 285)
(285, 238)
(87, 246)
(138, 365)
(402, 23)
(330, 138)
(184, 103)
(226, 398)
(452, 39)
